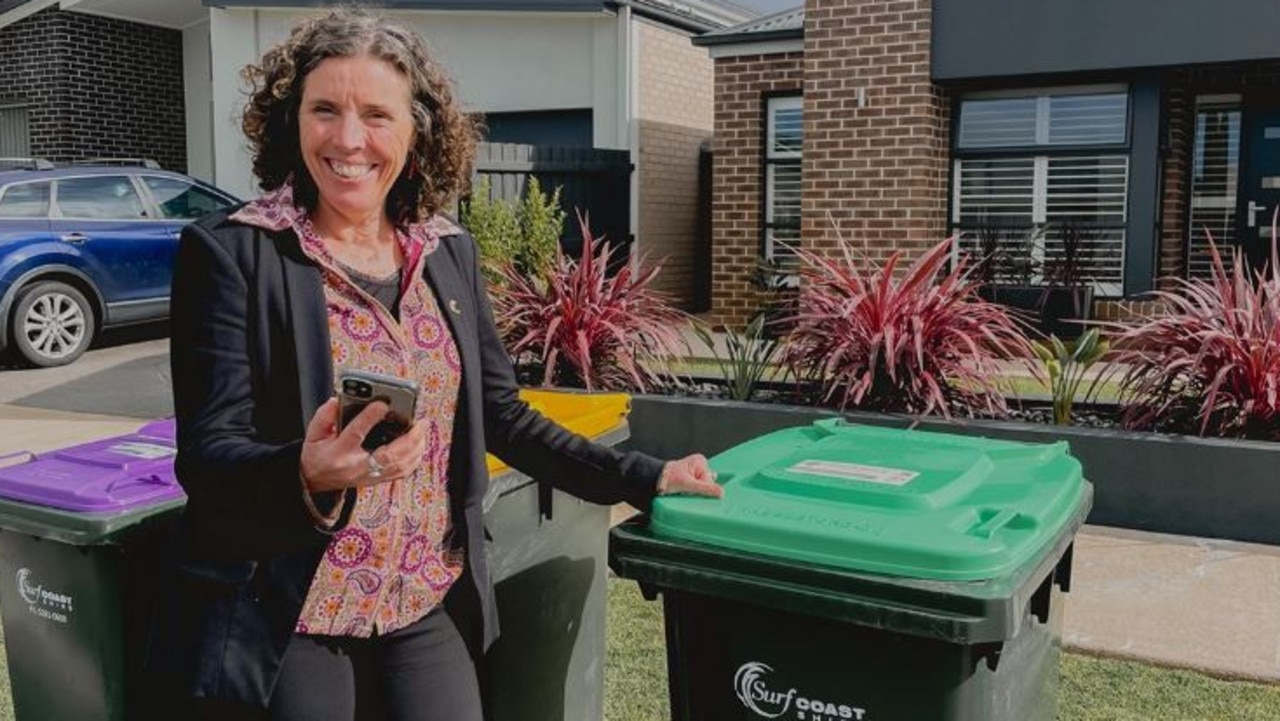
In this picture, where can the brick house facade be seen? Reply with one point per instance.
(674, 117)
(875, 127)
(742, 86)
(93, 86)
(920, 120)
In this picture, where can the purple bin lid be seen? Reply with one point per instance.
(112, 475)
(166, 429)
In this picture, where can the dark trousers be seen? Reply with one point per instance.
(422, 672)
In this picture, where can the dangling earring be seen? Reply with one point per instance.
(413, 167)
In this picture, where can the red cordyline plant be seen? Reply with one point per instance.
(920, 341)
(587, 328)
(1210, 363)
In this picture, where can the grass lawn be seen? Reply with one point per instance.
(1092, 689)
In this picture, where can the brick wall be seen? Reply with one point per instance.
(29, 66)
(96, 86)
(675, 117)
(741, 87)
(879, 172)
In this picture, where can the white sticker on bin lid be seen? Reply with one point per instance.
(147, 451)
(855, 472)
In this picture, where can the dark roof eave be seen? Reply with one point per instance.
(7, 5)
(746, 38)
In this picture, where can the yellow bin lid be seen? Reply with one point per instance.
(587, 414)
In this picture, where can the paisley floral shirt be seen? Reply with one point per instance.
(394, 561)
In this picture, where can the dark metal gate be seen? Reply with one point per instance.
(594, 181)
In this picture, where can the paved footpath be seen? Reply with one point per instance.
(1206, 604)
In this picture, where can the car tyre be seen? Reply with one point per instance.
(52, 324)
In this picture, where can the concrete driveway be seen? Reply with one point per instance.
(112, 389)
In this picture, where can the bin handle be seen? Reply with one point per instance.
(153, 478)
(10, 456)
(545, 496)
(988, 528)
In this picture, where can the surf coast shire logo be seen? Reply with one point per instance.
(753, 690)
(40, 600)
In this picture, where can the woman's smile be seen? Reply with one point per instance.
(350, 171)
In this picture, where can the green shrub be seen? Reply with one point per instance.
(541, 223)
(1067, 368)
(525, 235)
(748, 356)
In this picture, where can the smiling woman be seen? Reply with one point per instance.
(435, 167)
(324, 578)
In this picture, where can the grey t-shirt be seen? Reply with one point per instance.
(385, 290)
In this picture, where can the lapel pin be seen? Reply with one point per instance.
(453, 306)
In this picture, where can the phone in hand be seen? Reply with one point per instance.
(358, 389)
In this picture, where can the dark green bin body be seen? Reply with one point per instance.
(548, 559)
(76, 591)
(751, 637)
(548, 664)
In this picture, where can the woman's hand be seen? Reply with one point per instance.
(332, 459)
(690, 475)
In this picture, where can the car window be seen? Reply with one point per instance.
(180, 199)
(25, 200)
(105, 197)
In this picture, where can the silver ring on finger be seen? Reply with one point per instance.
(375, 468)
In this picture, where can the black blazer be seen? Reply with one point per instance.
(251, 364)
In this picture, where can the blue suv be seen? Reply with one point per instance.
(88, 246)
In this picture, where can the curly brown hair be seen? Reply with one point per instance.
(439, 164)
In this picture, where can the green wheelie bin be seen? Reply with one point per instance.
(548, 560)
(80, 530)
(863, 573)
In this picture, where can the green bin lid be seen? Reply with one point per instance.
(887, 501)
(75, 528)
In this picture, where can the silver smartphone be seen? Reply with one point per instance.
(357, 389)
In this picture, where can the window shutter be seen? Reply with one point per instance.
(786, 128)
(1088, 119)
(1007, 122)
(995, 192)
(15, 137)
(1214, 177)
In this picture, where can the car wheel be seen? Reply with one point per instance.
(52, 324)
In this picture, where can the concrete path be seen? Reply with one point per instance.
(1206, 604)
(107, 392)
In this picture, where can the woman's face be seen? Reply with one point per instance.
(355, 127)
